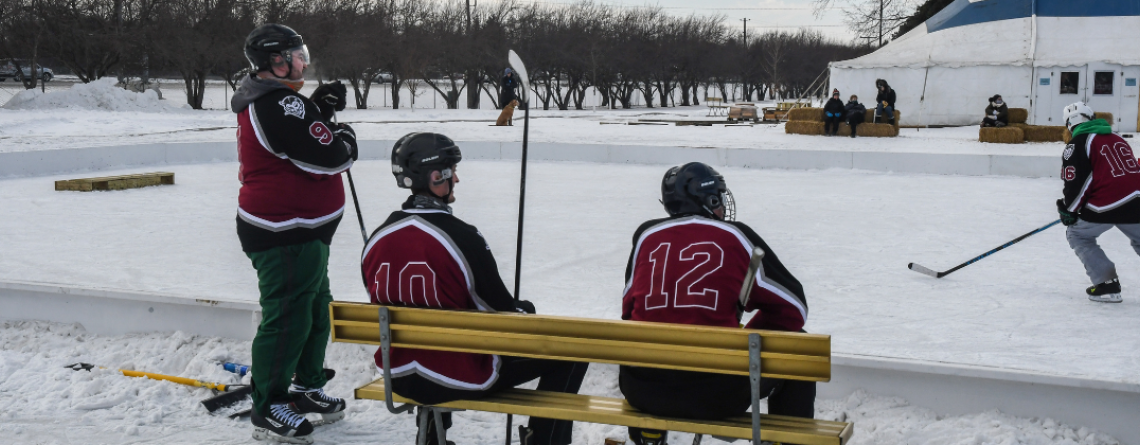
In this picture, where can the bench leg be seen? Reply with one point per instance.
(696, 439)
(440, 431)
(510, 419)
(754, 381)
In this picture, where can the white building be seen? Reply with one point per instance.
(1038, 54)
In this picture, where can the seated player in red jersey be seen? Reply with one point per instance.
(689, 269)
(423, 256)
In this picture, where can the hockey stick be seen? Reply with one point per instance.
(517, 65)
(750, 276)
(355, 202)
(925, 271)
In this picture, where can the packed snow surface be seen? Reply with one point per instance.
(101, 94)
(846, 235)
(43, 403)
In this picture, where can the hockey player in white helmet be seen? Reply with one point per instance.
(1102, 184)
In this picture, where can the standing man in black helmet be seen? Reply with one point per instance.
(423, 256)
(689, 269)
(291, 201)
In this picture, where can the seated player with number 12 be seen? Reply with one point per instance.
(689, 268)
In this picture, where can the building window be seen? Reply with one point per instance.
(1102, 82)
(1069, 81)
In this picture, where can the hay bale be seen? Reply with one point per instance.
(1019, 125)
(806, 114)
(876, 130)
(1043, 133)
(870, 117)
(1018, 115)
(1104, 115)
(1003, 135)
(804, 127)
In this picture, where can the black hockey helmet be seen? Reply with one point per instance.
(269, 39)
(416, 155)
(696, 189)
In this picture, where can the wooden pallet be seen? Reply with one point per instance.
(115, 182)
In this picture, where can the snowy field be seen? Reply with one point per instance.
(846, 235)
(48, 126)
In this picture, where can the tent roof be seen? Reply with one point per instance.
(1008, 32)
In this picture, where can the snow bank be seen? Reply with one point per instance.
(41, 402)
(101, 94)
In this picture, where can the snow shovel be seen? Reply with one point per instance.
(180, 380)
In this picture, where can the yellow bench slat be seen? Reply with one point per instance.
(660, 345)
(613, 411)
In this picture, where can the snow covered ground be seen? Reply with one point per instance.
(43, 403)
(75, 127)
(846, 235)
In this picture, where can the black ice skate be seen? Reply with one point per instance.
(317, 407)
(283, 424)
(1106, 292)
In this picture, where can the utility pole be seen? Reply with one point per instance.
(745, 31)
(881, 22)
(470, 78)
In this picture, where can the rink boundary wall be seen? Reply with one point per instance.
(947, 389)
(75, 160)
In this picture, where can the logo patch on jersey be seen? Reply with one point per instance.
(293, 106)
(1068, 151)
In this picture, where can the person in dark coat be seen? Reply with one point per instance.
(885, 102)
(833, 114)
(507, 91)
(997, 113)
(856, 113)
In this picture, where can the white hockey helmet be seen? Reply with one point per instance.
(1076, 114)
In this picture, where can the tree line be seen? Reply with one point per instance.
(455, 49)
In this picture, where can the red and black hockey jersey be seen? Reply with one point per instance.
(690, 269)
(289, 167)
(429, 258)
(1102, 179)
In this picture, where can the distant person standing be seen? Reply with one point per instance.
(833, 114)
(884, 102)
(507, 98)
(856, 114)
(291, 200)
(1102, 191)
(997, 113)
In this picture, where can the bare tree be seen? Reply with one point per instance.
(871, 18)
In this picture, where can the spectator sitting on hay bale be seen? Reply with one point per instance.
(884, 102)
(855, 113)
(997, 113)
(833, 114)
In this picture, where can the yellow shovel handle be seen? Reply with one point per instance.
(170, 378)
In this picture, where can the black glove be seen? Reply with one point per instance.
(329, 97)
(525, 306)
(1067, 218)
(346, 134)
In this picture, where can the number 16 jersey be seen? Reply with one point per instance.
(690, 270)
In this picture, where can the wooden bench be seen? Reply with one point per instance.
(115, 182)
(716, 106)
(768, 354)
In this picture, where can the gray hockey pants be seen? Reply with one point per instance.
(1082, 238)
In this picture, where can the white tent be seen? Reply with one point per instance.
(1038, 54)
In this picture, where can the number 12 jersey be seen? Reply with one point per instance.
(690, 270)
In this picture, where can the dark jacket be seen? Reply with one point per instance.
(1002, 112)
(289, 167)
(856, 112)
(834, 106)
(1102, 179)
(886, 94)
(507, 90)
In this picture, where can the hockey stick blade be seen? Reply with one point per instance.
(227, 399)
(922, 270)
